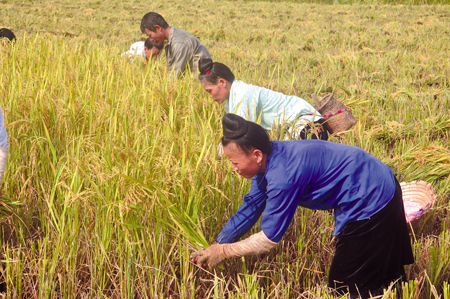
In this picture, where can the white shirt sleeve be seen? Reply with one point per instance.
(136, 49)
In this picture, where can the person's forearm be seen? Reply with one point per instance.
(3, 160)
(243, 220)
(254, 245)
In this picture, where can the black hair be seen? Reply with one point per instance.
(4, 32)
(150, 44)
(216, 70)
(245, 134)
(150, 19)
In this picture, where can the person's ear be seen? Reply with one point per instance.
(222, 82)
(258, 155)
(158, 28)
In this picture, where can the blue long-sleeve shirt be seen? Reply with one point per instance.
(314, 174)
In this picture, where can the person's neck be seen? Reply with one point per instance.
(167, 33)
(228, 88)
(263, 164)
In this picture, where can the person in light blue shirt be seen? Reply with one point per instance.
(271, 109)
(4, 147)
(370, 226)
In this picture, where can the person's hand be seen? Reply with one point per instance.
(209, 257)
(195, 256)
(254, 245)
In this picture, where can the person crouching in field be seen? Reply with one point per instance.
(6, 36)
(183, 50)
(148, 49)
(3, 147)
(373, 242)
(273, 108)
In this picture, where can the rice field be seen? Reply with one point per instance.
(113, 175)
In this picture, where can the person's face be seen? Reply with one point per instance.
(218, 92)
(155, 36)
(152, 53)
(246, 165)
(4, 42)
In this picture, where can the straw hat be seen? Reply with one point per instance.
(421, 193)
(339, 118)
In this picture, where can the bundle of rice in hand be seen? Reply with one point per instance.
(418, 197)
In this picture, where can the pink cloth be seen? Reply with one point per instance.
(412, 210)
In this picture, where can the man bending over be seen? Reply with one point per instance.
(183, 50)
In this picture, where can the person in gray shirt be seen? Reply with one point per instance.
(183, 50)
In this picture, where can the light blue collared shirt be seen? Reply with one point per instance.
(269, 108)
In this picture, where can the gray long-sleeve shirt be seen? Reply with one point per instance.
(184, 49)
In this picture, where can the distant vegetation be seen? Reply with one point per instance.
(362, 2)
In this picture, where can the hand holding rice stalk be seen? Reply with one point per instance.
(215, 254)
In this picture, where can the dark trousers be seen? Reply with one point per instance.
(319, 131)
(371, 253)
